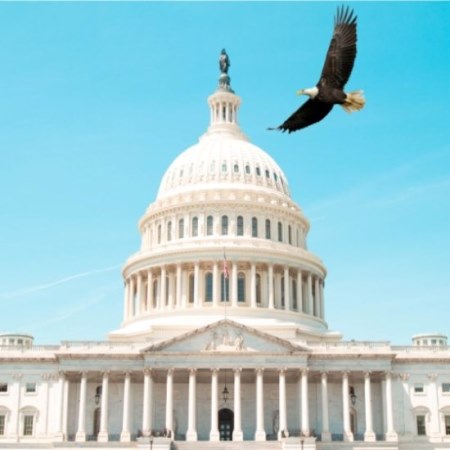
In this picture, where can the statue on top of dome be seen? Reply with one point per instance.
(224, 61)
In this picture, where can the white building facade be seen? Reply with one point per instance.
(224, 335)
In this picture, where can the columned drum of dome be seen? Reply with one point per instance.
(224, 202)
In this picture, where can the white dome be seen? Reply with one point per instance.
(220, 160)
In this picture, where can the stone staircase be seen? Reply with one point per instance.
(226, 445)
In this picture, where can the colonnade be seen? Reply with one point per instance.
(180, 286)
(191, 433)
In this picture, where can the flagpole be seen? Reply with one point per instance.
(225, 281)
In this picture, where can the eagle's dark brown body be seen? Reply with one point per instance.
(329, 91)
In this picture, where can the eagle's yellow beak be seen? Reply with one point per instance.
(300, 92)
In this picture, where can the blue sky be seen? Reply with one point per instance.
(98, 98)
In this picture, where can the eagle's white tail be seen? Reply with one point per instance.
(355, 101)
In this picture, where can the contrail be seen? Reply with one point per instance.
(41, 287)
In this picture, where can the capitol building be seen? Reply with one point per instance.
(224, 342)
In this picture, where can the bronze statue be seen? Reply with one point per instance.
(224, 61)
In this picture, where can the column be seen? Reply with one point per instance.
(125, 436)
(169, 403)
(238, 435)
(391, 434)
(283, 431)
(81, 432)
(15, 396)
(287, 297)
(196, 284)
(305, 403)
(171, 291)
(301, 307)
(214, 433)
(65, 407)
(348, 435)
(326, 435)
(216, 284)
(317, 297)
(234, 278)
(126, 294)
(138, 301)
(322, 302)
(179, 285)
(191, 434)
(131, 309)
(149, 290)
(43, 417)
(103, 433)
(369, 435)
(147, 413)
(271, 298)
(253, 285)
(163, 289)
(260, 434)
(309, 296)
(59, 436)
(435, 434)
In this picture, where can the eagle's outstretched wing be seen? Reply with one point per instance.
(310, 112)
(341, 52)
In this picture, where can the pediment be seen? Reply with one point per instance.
(225, 336)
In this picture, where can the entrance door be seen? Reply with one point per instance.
(96, 421)
(226, 424)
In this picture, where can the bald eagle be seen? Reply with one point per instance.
(329, 91)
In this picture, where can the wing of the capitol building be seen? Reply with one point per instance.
(224, 342)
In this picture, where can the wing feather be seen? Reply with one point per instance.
(342, 50)
(310, 112)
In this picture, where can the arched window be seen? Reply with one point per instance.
(224, 225)
(4, 414)
(191, 288)
(267, 228)
(258, 171)
(181, 229)
(254, 227)
(247, 169)
(282, 292)
(290, 235)
(155, 293)
(159, 234)
(209, 225)
(241, 287)
(267, 174)
(236, 168)
(240, 226)
(195, 226)
(258, 289)
(169, 231)
(224, 288)
(280, 232)
(208, 287)
(224, 166)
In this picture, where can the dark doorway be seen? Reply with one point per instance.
(226, 424)
(96, 429)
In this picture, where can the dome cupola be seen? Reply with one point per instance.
(223, 239)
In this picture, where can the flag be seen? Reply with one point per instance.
(226, 274)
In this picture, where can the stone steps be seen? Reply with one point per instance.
(226, 445)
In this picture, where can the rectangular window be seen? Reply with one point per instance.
(30, 388)
(3, 387)
(420, 420)
(446, 388)
(28, 425)
(418, 388)
(2, 425)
